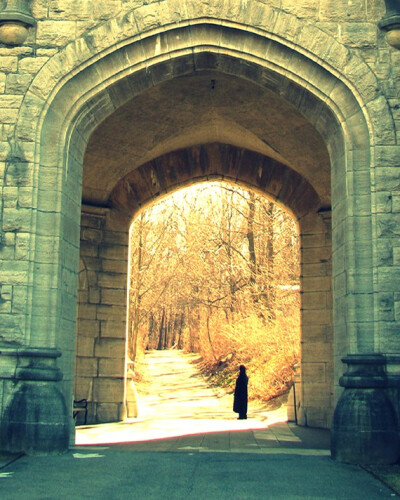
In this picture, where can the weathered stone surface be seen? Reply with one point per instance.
(111, 367)
(108, 412)
(110, 348)
(108, 390)
(330, 138)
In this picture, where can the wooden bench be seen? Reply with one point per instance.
(81, 405)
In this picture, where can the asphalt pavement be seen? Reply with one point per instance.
(287, 462)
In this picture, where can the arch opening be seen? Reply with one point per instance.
(214, 271)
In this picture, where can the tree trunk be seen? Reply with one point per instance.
(250, 241)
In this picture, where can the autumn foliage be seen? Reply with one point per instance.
(215, 270)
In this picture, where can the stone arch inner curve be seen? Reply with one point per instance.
(96, 92)
(215, 161)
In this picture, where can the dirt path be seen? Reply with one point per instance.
(175, 388)
(175, 401)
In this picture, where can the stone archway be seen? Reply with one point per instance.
(101, 335)
(96, 75)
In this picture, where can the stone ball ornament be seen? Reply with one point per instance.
(390, 23)
(15, 22)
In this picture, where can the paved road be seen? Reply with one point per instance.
(118, 473)
(198, 450)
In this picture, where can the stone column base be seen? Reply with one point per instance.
(35, 416)
(364, 428)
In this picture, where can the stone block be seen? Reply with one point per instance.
(16, 274)
(108, 390)
(316, 255)
(113, 328)
(386, 306)
(87, 248)
(386, 203)
(17, 83)
(317, 394)
(116, 238)
(112, 280)
(314, 300)
(31, 64)
(301, 8)
(114, 266)
(11, 100)
(86, 367)
(84, 346)
(318, 417)
(113, 297)
(316, 352)
(316, 284)
(8, 115)
(92, 263)
(20, 298)
(91, 221)
(321, 269)
(12, 327)
(8, 64)
(316, 316)
(94, 295)
(316, 333)
(83, 294)
(113, 312)
(55, 33)
(87, 311)
(384, 252)
(313, 372)
(115, 252)
(110, 348)
(359, 35)
(388, 278)
(88, 327)
(108, 412)
(92, 235)
(2, 83)
(83, 388)
(111, 367)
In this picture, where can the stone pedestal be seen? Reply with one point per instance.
(364, 428)
(35, 416)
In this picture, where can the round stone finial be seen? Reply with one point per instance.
(393, 37)
(15, 21)
(390, 23)
(13, 33)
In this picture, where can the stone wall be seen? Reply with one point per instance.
(58, 22)
(100, 353)
(317, 387)
(65, 80)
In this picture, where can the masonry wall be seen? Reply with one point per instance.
(352, 24)
(60, 21)
(317, 396)
(100, 353)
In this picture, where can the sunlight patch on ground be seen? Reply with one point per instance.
(139, 430)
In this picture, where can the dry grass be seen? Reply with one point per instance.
(270, 353)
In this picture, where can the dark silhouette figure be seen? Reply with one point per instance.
(240, 398)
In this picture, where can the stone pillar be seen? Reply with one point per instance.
(35, 418)
(364, 428)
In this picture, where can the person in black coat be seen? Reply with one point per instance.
(240, 398)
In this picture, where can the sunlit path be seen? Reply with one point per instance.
(176, 401)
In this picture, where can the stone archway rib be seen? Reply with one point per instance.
(214, 161)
